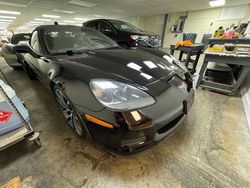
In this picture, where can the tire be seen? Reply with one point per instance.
(71, 115)
(30, 72)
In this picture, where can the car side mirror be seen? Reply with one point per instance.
(24, 48)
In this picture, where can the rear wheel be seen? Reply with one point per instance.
(71, 115)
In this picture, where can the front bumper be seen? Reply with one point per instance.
(124, 141)
(151, 42)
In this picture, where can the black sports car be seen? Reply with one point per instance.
(127, 99)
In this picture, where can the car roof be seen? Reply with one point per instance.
(104, 20)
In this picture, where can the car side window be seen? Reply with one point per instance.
(93, 25)
(105, 27)
(34, 43)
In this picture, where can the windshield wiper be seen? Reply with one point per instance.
(107, 48)
(73, 52)
(68, 52)
(114, 47)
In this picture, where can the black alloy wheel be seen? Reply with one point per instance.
(72, 117)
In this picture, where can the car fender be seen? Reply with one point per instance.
(78, 92)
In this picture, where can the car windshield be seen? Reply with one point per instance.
(124, 26)
(60, 40)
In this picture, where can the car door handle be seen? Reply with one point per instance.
(44, 59)
(49, 74)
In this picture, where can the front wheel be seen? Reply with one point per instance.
(71, 115)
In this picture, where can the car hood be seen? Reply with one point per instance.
(133, 66)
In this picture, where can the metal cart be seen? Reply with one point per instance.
(24, 132)
(195, 50)
(222, 81)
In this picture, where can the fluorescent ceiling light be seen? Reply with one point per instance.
(31, 25)
(12, 4)
(1, 25)
(146, 76)
(81, 19)
(2, 20)
(42, 19)
(50, 16)
(4, 24)
(97, 15)
(82, 3)
(69, 21)
(78, 24)
(8, 17)
(150, 64)
(9, 12)
(134, 66)
(64, 11)
(115, 10)
(217, 3)
(36, 22)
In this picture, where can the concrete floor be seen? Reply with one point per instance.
(211, 149)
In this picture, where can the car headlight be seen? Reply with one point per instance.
(138, 37)
(119, 96)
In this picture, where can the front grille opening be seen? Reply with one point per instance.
(170, 125)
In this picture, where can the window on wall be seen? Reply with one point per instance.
(231, 13)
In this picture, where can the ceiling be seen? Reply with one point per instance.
(90, 9)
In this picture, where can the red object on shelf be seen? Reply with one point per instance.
(4, 116)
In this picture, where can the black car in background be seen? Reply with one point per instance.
(125, 34)
(12, 58)
(127, 99)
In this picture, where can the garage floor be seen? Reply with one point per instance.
(211, 149)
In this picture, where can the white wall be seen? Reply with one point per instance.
(154, 24)
(245, 90)
(199, 22)
(138, 21)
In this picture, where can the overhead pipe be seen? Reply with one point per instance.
(164, 29)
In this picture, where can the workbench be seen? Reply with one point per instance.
(195, 50)
(230, 86)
